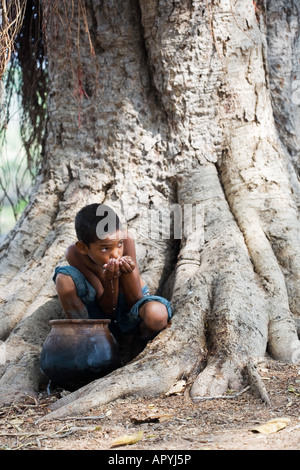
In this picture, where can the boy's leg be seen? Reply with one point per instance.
(73, 307)
(155, 318)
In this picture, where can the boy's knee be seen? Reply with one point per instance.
(155, 315)
(65, 285)
(70, 302)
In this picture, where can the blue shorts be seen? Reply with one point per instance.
(125, 320)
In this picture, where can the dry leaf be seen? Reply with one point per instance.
(272, 426)
(127, 439)
(177, 388)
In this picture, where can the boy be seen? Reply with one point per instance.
(103, 279)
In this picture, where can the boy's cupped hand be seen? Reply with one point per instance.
(115, 267)
(127, 264)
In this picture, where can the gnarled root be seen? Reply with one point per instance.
(257, 387)
(164, 361)
(20, 374)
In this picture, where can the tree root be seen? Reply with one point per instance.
(256, 384)
(225, 378)
(222, 397)
(142, 377)
(21, 372)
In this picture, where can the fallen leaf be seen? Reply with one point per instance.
(272, 426)
(292, 389)
(127, 439)
(176, 388)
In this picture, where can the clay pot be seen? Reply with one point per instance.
(78, 351)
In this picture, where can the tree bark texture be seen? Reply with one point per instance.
(176, 102)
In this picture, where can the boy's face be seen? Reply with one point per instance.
(102, 251)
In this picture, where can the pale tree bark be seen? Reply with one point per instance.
(174, 107)
(283, 43)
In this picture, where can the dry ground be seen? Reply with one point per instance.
(167, 423)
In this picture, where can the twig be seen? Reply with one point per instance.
(21, 434)
(221, 397)
(72, 418)
(81, 417)
(65, 431)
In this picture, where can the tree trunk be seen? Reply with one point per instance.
(165, 103)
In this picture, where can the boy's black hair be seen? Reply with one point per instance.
(94, 222)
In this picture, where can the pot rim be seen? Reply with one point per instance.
(80, 321)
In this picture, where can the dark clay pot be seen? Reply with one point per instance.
(78, 351)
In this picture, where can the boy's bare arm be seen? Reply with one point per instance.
(105, 283)
(86, 266)
(130, 277)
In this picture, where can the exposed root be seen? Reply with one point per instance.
(146, 376)
(220, 376)
(255, 177)
(21, 372)
(257, 387)
(217, 377)
(282, 328)
(222, 397)
(20, 379)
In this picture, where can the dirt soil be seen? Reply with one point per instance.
(164, 423)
